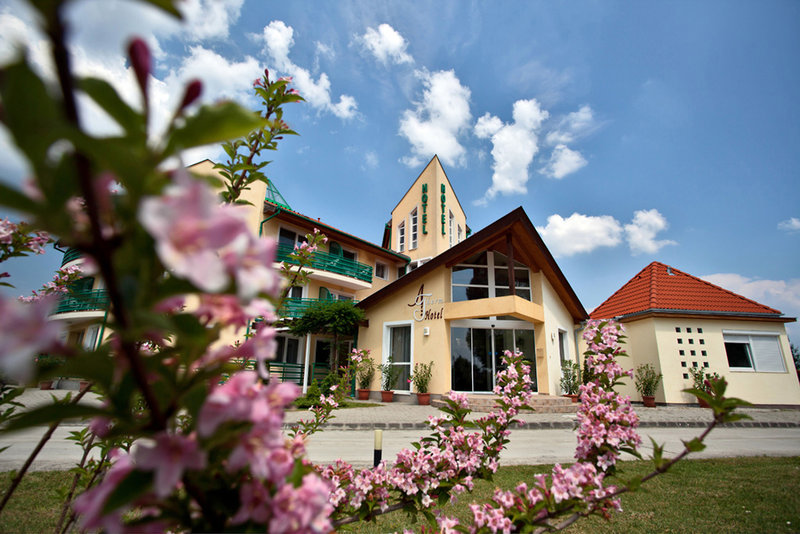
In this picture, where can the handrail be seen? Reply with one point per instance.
(96, 299)
(294, 307)
(331, 263)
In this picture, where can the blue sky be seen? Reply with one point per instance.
(629, 132)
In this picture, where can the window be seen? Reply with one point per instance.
(754, 352)
(296, 292)
(288, 349)
(681, 352)
(401, 237)
(460, 234)
(413, 243)
(688, 330)
(452, 229)
(691, 341)
(400, 272)
(381, 270)
(678, 329)
(683, 364)
(699, 330)
(701, 341)
(680, 341)
(290, 238)
(485, 275)
(703, 353)
(562, 346)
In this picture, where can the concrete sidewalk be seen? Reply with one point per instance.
(397, 415)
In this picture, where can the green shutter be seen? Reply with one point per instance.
(335, 248)
(324, 294)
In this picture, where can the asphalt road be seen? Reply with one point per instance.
(526, 447)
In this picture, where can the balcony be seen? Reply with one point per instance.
(71, 254)
(297, 307)
(81, 301)
(331, 263)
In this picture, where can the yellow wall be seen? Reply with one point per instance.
(432, 243)
(433, 347)
(556, 317)
(654, 340)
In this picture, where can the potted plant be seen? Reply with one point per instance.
(389, 375)
(647, 380)
(570, 380)
(365, 371)
(702, 381)
(421, 379)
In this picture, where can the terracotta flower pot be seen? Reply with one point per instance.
(423, 399)
(387, 396)
(84, 385)
(46, 384)
(573, 397)
(363, 394)
(649, 401)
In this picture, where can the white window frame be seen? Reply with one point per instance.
(760, 361)
(386, 348)
(460, 234)
(385, 270)
(401, 237)
(414, 224)
(452, 220)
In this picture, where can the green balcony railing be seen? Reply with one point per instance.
(332, 263)
(83, 301)
(293, 372)
(71, 254)
(293, 307)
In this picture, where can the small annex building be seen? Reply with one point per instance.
(676, 321)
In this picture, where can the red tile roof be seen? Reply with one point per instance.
(659, 287)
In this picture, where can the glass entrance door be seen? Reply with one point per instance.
(400, 352)
(476, 355)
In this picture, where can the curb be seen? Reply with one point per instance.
(555, 425)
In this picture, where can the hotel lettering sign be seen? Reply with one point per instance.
(425, 307)
(424, 209)
(443, 212)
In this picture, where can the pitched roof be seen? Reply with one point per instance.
(330, 231)
(662, 288)
(514, 228)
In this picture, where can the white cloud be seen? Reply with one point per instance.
(578, 234)
(513, 147)
(279, 38)
(435, 124)
(572, 126)
(790, 225)
(642, 230)
(783, 295)
(386, 44)
(370, 161)
(209, 19)
(563, 161)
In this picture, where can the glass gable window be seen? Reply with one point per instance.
(401, 237)
(485, 275)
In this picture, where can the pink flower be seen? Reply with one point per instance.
(25, 333)
(190, 227)
(140, 61)
(169, 457)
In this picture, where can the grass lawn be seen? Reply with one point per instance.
(723, 495)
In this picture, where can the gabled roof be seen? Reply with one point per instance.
(660, 288)
(527, 247)
(331, 232)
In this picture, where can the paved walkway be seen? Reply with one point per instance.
(399, 415)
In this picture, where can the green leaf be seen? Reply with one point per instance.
(167, 5)
(136, 484)
(106, 97)
(695, 445)
(16, 199)
(53, 412)
(212, 124)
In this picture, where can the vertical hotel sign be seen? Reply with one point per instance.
(443, 212)
(424, 209)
